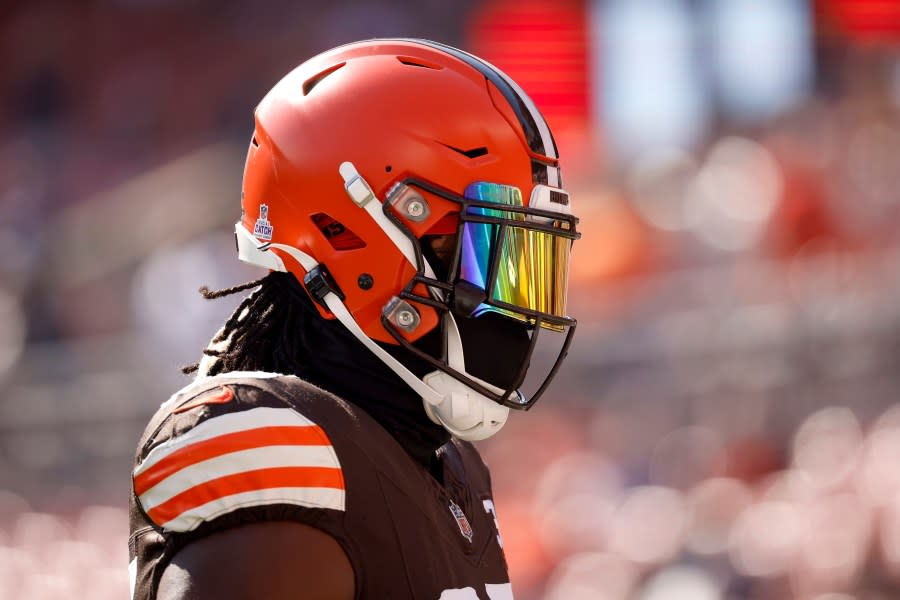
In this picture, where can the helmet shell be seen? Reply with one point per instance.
(395, 109)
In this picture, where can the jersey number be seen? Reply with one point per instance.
(489, 508)
(495, 591)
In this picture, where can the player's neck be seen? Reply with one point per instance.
(335, 361)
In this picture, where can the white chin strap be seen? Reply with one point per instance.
(464, 412)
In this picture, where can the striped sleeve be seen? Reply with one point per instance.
(255, 457)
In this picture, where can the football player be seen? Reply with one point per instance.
(405, 197)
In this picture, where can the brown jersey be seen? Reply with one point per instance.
(249, 447)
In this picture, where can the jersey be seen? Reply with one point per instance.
(249, 447)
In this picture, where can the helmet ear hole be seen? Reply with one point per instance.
(338, 235)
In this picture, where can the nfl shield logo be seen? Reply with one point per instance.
(464, 527)
(263, 228)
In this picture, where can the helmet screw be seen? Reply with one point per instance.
(415, 208)
(365, 281)
(408, 202)
(405, 318)
(401, 314)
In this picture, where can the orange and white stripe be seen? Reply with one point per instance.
(256, 457)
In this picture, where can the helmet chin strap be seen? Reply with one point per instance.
(462, 411)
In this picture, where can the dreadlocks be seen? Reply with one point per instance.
(260, 333)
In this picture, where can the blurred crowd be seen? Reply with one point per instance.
(728, 423)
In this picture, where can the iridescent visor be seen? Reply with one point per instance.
(518, 256)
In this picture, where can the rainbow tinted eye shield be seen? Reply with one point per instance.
(519, 260)
(509, 259)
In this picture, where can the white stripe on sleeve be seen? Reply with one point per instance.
(301, 496)
(225, 424)
(266, 457)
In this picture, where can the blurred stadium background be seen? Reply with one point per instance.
(728, 424)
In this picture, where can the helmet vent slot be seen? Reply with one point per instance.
(339, 236)
(471, 152)
(416, 62)
(254, 142)
(315, 80)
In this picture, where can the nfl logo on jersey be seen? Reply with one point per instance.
(464, 527)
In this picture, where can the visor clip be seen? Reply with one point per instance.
(467, 297)
(319, 283)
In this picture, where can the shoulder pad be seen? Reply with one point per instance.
(243, 448)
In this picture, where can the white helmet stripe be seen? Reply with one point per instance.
(553, 179)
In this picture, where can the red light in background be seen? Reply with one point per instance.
(863, 20)
(543, 46)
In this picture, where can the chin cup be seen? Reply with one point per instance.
(462, 411)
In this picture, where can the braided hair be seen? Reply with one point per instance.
(260, 333)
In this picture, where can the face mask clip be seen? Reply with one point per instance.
(467, 297)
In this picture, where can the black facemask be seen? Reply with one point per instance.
(494, 347)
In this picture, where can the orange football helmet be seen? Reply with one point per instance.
(408, 185)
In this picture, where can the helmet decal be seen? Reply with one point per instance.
(263, 228)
